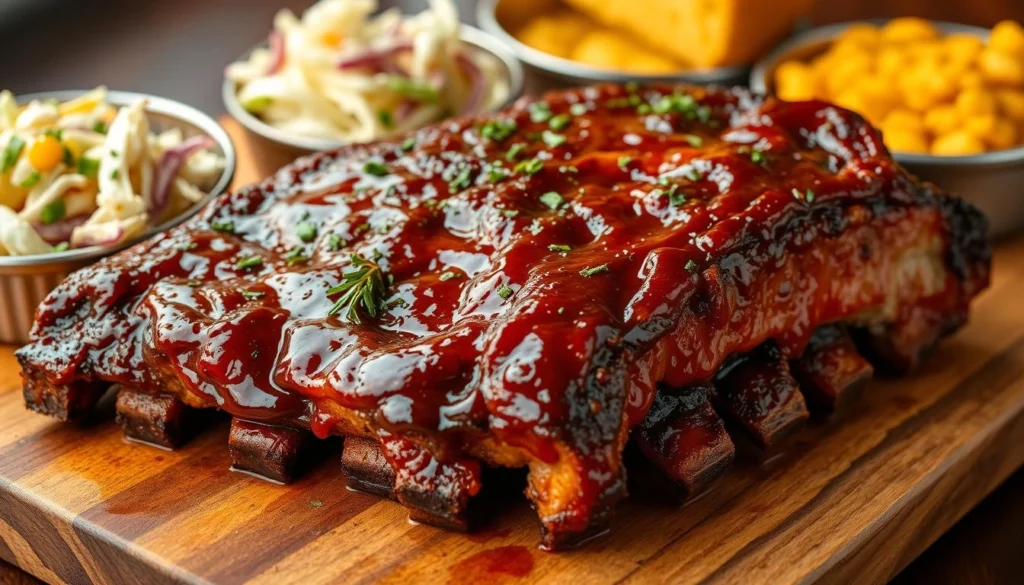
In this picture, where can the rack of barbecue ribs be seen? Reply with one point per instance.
(688, 269)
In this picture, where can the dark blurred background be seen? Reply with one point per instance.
(178, 48)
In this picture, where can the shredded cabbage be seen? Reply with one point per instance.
(342, 73)
(83, 172)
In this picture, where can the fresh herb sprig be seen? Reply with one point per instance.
(362, 289)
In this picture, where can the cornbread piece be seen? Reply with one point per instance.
(265, 450)
(684, 437)
(512, 290)
(830, 371)
(160, 419)
(705, 33)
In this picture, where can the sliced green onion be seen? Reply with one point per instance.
(11, 153)
(53, 212)
(415, 90)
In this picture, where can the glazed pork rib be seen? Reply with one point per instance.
(519, 290)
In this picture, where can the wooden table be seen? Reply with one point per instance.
(177, 49)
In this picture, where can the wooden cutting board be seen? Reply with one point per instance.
(851, 501)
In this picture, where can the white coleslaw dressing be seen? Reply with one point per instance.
(340, 72)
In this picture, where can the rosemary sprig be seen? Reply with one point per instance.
(362, 288)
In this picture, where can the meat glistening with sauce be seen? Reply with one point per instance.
(519, 290)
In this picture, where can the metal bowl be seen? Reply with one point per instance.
(298, 144)
(992, 180)
(546, 71)
(26, 280)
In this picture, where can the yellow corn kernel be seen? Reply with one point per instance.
(1003, 135)
(330, 38)
(864, 35)
(890, 62)
(972, 102)
(794, 81)
(942, 119)
(1001, 68)
(982, 126)
(914, 96)
(972, 80)
(1011, 103)
(851, 68)
(962, 47)
(903, 140)
(903, 120)
(957, 143)
(1007, 37)
(902, 30)
(45, 153)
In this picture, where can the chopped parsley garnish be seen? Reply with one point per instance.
(462, 180)
(514, 152)
(505, 291)
(100, 127)
(578, 109)
(361, 288)
(593, 270)
(496, 174)
(114, 174)
(691, 266)
(693, 174)
(408, 144)
(644, 109)
(53, 212)
(675, 103)
(540, 112)
(624, 162)
(89, 167)
(335, 242)
(559, 248)
(376, 168)
(418, 91)
(448, 275)
(552, 199)
(632, 86)
(758, 156)
(226, 226)
(31, 180)
(252, 295)
(69, 157)
(186, 246)
(57, 133)
(552, 139)
(560, 122)
(296, 255)
(510, 212)
(254, 106)
(498, 130)
(675, 197)
(807, 196)
(693, 140)
(306, 231)
(61, 247)
(11, 153)
(530, 166)
(249, 262)
(386, 119)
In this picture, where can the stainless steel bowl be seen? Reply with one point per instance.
(299, 145)
(993, 181)
(546, 71)
(26, 280)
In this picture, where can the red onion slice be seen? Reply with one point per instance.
(167, 169)
(476, 82)
(59, 231)
(379, 59)
(105, 236)
(276, 41)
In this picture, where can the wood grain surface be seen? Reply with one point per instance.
(853, 501)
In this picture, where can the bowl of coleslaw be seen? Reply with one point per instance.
(344, 73)
(87, 173)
